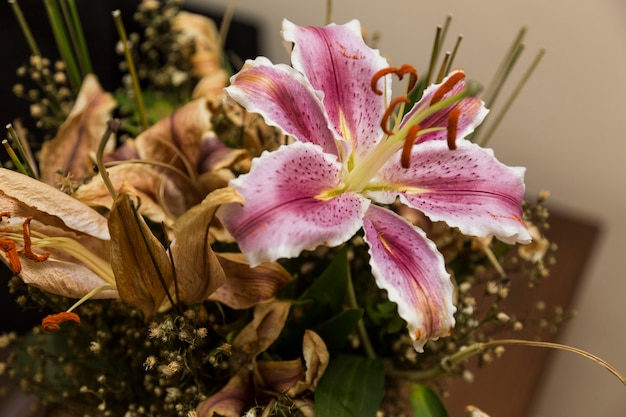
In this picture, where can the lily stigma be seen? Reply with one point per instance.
(352, 156)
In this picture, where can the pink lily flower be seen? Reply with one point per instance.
(348, 154)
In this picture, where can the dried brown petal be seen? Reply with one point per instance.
(161, 200)
(24, 196)
(198, 271)
(279, 376)
(246, 287)
(141, 265)
(230, 401)
(262, 331)
(78, 136)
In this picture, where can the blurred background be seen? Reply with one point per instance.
(566, 127)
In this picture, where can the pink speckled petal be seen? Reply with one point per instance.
(282, 214)
(336, 60)
(472, 112)
(467, 188)
(285, 99)
(408, 266)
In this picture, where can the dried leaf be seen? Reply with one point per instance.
(316, 359)
(141, 265)
(78, 136)
(198, 271)
(246, 287)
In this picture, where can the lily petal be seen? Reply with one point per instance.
(285, 99)
(406, 264)
(336, 61)
(68, 279)
(467, 188)
(284, 212)
(25, 196)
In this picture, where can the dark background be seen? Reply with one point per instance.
(101, 36)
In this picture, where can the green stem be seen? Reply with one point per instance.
(507, 105)
(14, 158)
(63, 45)
(117, 16)
(505, 66)
(25, 28)
(70, 26)
(82, 49)
(23, 151)
(360, 326)
(329, 11)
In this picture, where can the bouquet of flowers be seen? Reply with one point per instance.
(266, 240)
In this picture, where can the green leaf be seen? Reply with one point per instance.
(330, 288)
(425, 402)
(335, 331)
(352, 386)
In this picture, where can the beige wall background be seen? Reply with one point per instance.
(567, 128)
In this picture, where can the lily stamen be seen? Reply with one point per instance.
(385, 120)
(453, 123)
(52, 322)
(446, 87)
(409, 141)
(9, 247)
(400, 72)
(28, 251)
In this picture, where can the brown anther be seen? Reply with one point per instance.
(9, 248)
(385, 121)
(453, 123)
(6, 214)
(52, 323)
(447, 86)
(409, 141)
(400, 72)
(28, 251)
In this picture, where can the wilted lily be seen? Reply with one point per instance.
(51, 240)
(59, 244)
(350, 152)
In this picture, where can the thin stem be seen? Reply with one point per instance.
(506, 64)
(227, 20)
(82, 50)
(73, 36)
(360, 326)
(507, 105)
(454, 52)
(112, 127)
(63, 45)
(25, 28)
(24, 151)
(14, 158)
(451, 361)
(90, 294)
(329, 11)
(143, 118)
(434, 54)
